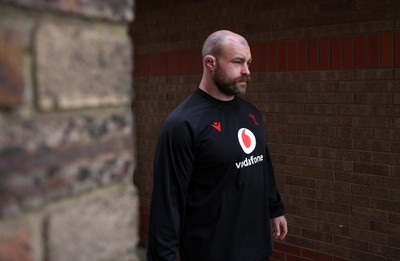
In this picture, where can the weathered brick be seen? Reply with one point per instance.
(54, 178)
(333, 207)
(383, 146)
(102, 227)
(49, 131)
(299, 241)
(394, 218)
(374, 214)
(363, 190)
(332, 249)
(368, 168)
(387, 251)
(386, 158)
(11, 81)
(81, 66)
(360, 133)
(360, 255)
(353, 243)
(15, 242)
(371, 122)
(368, 236)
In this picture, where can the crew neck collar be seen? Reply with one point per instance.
(216, 101)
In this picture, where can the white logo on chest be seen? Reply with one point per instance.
(247, 140)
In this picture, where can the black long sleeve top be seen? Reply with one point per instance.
(213, 186)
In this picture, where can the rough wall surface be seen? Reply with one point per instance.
(326, 77)
(72, 49)
(66, 131)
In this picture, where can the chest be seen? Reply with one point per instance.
(231, 138)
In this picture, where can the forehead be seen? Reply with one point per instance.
(233, 48)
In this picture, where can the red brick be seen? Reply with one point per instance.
(336, 53)
(397, 49)
(197, 61)
(361, 51)
(154, 64)
(11, 81)
(340, 259)
(286, 248)
(386, 49)
(282, 56)
(313, 51)
(172, 63)
(292, 55)
(272, 56)
(372, 50)
(348, 52)
(302, 55)
(296, 258)
(315, 255)
(324, 58)
(185, 62)
(255, 63)
(143, 65)
(278, 256)
(263, 61)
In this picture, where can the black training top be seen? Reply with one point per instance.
(214, 188)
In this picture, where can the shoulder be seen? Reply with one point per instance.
(188, 113)
(249, 106)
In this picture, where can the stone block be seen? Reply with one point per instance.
(116, 10)
(39, 186)
(48, 131)
(101, 228)
(15, 242)
(11, 82)
(55, 156)
(82, 66)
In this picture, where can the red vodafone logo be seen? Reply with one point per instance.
(247, 140)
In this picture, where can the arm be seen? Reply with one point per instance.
(276, 208)
(172, 170)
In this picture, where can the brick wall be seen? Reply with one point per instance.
(66, 143)
(325, 75)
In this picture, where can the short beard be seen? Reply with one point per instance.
(229, 86)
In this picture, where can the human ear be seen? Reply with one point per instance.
(210, 62)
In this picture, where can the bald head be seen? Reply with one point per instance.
(215, 42)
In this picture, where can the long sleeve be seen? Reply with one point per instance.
(172, 170)
(276, 207)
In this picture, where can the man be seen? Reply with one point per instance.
(214, 188)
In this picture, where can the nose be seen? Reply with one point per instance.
(245, 69)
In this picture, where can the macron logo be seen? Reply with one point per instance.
(217, 125)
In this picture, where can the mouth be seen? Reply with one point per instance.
(242, 84)
(245, 80)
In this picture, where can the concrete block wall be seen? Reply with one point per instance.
(326, 77)
(67, 153)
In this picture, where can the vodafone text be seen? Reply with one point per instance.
(249, 161)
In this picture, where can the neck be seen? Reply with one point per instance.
(211, 89)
